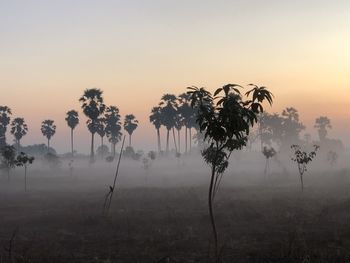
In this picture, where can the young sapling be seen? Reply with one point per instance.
(303, 158)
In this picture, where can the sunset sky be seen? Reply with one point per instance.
(135, 51)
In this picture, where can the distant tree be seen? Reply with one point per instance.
(268, 153)
(24, 160)
(113, 126)
(156, 119)
(37, 149)
(48, 129)
(8, 158)
(168, 106)
(322, 124)
(292, 126)
(18, 129)
(189, 116)
(72, 119)
(130, 125)
(270, 129)
(332, 158)
(5, 113)
(102, 151)
(93, 107)
(225, 119)
(303, 158)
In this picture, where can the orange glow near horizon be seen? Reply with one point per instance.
(136, 52)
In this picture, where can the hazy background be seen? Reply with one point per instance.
(135, 51)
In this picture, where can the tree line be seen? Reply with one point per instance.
(103, 120)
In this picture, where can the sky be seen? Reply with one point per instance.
(136, 51)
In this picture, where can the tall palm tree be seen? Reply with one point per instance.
(130, 125)
(322, 124)
(93, 107)
(168, 111)
(18, 129)
(48, 129)
(72, 119)
(5, 113)
(156, 119)
(113, 126)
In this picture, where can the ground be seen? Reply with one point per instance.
(60, 219)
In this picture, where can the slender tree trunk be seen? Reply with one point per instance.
(190, 139)
(178, 140)
(130, 140)
(167, 141)
(71, 142)
(159, 146)
(48, 145)
(174, 141)
(25, 178)
(211, 213)
(113, 146)
(302, 183)
(92, 153)
(18, 145)
(102, 154)
(186, 139)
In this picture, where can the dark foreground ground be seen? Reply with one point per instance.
(153, 224)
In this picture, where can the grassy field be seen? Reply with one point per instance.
(60, 219)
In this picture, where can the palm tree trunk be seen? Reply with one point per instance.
(25, 178)
(130, 140)
(174, 141)
(159, 146)
(113, 150)
(190, 140)
(186, 139)
(92, 154)
(102, 147)
(18, 144)
(178, 140)
(167, 141)
(48, 145)
(71, 142)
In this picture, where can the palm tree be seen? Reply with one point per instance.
(322, 124)
(130, 125)
(5, 113)
(72, 121)
(48, 129)
(156, 119)
(93, 107)
(18, 129)
(113, 126)
(168, 112)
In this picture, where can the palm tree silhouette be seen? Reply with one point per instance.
(93, 107)
(18, 129)
(48, 129)
(113, 126)
(72, 119)
(168, 112)
(130, 125)
(156, 119)
(322, 124)
(5, 113)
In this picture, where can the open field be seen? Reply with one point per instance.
(165, 218)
